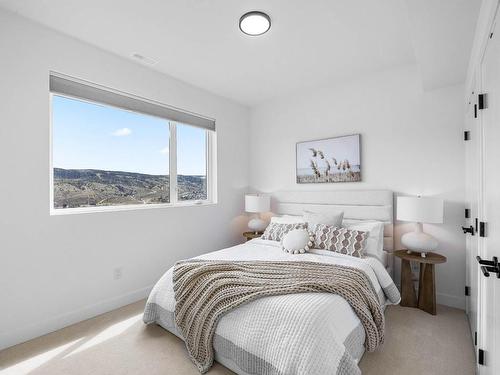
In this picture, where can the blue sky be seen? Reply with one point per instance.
(91, 136)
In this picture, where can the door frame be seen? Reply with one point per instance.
(474, 83)
(472, 203)
(482, 304)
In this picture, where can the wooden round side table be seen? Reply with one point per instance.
(426, 281)
(252, 235)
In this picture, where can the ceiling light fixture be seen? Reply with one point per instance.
(255, 23)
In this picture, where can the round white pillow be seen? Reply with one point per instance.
(297, 241)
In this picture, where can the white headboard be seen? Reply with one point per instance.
(356, 204)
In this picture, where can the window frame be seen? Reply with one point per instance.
(210, 160)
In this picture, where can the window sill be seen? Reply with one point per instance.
(132, 207)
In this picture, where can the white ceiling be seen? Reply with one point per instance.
(310, 44)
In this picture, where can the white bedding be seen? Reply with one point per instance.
(309, 333)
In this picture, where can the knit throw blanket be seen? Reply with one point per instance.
(206, 290)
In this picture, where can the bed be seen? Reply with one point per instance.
(304, 333)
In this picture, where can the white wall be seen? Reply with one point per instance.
(412, 143)
(57, 270)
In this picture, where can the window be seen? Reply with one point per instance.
(111, 151)
(191, 163)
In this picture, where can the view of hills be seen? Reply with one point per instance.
(92, 187)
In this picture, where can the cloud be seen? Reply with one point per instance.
(123, 132)
(164, 150)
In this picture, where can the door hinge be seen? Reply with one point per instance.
(475, 110)
(467, 291)
(481, 100)
(482, 229)
(475, 338)
(467, 213)
(466, 135)
(480, 356)
(476, 224)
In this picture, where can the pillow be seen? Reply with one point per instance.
(340, 240)
(333, 218)
(287, 219)
(297, 241)
(375, 242)
(276, 231)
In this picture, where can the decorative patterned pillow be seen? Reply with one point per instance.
(340, 240)
(297, 241)
(276, 231)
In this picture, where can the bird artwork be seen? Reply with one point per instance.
(344, 165)
(329, 160)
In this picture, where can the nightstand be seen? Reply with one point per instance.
(252, 235)
(426, 281)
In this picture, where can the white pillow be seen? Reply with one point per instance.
(375, 243)
(297, 241)
(287, 219)
(332, 218)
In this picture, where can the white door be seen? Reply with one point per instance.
(472, 178)
(490, 207)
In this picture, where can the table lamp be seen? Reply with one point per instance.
(256, 203)
(419, 210)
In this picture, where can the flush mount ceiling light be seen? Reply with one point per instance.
(255, 23)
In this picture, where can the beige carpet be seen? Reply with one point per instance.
(119, 343)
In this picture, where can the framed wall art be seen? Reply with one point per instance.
(335, 159)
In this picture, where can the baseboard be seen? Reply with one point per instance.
(42, 328)
(450, 300)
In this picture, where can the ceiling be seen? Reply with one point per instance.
(310, 44)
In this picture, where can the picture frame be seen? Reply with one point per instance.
(329, 160)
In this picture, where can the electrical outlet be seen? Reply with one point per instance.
(117, 273)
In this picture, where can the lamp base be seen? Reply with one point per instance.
(257, 225)
(422, 254)
(418, 241)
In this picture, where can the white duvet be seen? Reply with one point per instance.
(308, 333)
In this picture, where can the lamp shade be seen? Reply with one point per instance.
(420, 210)
(257, 203)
